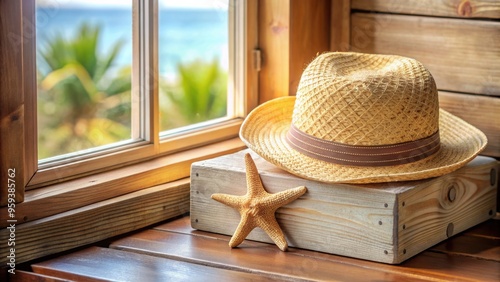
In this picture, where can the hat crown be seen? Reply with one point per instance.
(365, 99)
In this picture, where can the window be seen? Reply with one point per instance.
(124, 81)
(148, 180)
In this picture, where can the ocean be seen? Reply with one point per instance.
(184, 34)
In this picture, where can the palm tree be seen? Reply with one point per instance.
(200, 94)
(83, 101)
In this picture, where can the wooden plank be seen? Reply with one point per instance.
(26, 276)
(102, 264)
(481, 111)
(99, 221)
(274, 42)
(69, 195)
(177, 240)
(480, 242)
(264, 259)
(472, 246)
(340, 25)
(12, 110)
(309, 36)
(489, 229)
(462, 55)
(449, 8)
(362, 221)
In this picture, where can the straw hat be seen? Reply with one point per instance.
(362, 118)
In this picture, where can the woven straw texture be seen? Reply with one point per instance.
(378, 104)
(362, 99)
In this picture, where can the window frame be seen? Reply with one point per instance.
(97, 206)
(146, 128)
(37, 190)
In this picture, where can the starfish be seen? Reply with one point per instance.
(257, 207)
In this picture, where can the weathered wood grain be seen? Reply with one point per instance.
(363, 221)
(481, 111)
(446, 206)
(99, 221)
(462, 55)
(448, 8)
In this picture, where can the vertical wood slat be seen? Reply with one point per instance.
(274, 37)
(309, 36)
(291, 33)
(340, 25)
(251, 44)
(17, 127)
(30, 90)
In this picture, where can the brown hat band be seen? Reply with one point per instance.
(333, 152)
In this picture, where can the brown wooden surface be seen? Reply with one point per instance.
(27, 276)
(99, 221)
(307, 37)
(448, 8)
(481, 111)
(291, 33)
(274, 40)
(12, 104)
(462, 55)
(104, 264)
(175, 250)
(30, 90)
(340, 25)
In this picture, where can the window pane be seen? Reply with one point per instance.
(84, 57)
(193, 61)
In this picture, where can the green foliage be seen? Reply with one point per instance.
(199, 95)
(83, 101)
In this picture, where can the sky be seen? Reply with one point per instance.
(121, 3)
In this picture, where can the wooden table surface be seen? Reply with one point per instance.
(173, 251)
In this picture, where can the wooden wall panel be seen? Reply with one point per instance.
(340, 25)
(274, 39)
(462, 55)
(480, 111)
(291, 33)
(308, 37)
(448, 8)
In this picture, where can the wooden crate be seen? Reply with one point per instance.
(387, 222)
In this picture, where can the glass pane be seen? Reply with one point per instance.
(84, 57)
(193, 61)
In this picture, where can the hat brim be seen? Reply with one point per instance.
(265, 128)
